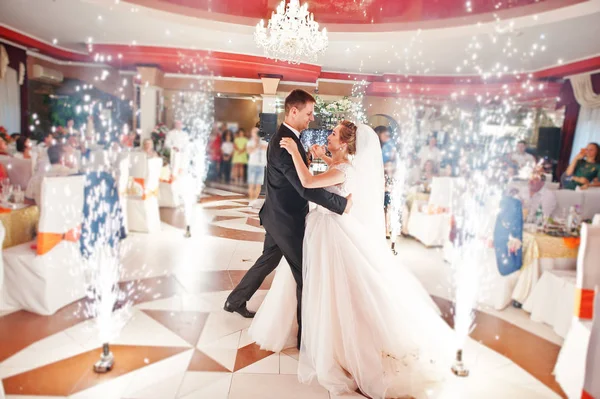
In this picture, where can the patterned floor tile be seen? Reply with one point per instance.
(74, 374)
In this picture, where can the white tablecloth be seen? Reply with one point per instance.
(570, 365)
(553, 299)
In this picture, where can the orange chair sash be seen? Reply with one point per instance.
(145, 193)
(585, 395)
(584, 303)
(47, 241)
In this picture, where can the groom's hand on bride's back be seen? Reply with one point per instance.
(348, 204)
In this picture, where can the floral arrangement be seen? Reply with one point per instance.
(331, 113)
(4, 134)
(158, 135)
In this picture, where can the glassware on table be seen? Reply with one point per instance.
(18, 194)
(7, 191)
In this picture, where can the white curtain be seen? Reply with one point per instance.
(10, 102)
(588, 123)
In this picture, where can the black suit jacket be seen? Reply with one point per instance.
(286, 203)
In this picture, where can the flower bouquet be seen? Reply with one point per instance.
(158, 135)
(4, 134)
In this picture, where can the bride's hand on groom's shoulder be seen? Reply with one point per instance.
(289, 145)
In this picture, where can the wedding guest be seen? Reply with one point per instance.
(539, 195)
(227, 152)
(430, 153)
(522, 158)
(214, 154)
(257, 160)
(12, 146)
(24, 148)
(177, 139)
(148, 148)
(57, 167)
(240, 156)
(428, 172)
(584, 170)
(70, 129)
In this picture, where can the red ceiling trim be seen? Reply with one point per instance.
(250, 66)
(573, 68)
(486, 91)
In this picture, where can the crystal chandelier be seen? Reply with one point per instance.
(292, 34)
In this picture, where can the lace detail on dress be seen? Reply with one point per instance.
(342, 188)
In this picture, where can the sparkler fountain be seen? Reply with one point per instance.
(195, 109)
(102, 265)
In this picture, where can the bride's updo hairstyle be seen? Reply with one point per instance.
(348, 135)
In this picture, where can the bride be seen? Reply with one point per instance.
(367, 321)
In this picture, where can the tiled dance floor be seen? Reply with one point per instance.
(179, 343)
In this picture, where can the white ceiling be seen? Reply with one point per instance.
(571, 34)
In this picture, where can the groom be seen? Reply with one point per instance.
(285, 209)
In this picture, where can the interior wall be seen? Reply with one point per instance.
(243, 112)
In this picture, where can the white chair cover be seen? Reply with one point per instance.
(566, 199)
(591, 384)
(591, 204)
(433, 229)
(570, 367)
(142, 200)
(596, 220)
(19, 170)
(441, 191)
(47, 280)
(122, 184)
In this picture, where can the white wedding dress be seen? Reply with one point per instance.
(367, 322)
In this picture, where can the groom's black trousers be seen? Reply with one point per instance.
(274, 248)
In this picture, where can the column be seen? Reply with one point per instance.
(150, 81)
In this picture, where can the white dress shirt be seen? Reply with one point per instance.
(297, 133)
(177, 139)
(523, 159)
(427, 153)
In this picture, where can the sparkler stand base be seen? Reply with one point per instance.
(458, 368)
(394, 248)
(188, 231)
(106, 362)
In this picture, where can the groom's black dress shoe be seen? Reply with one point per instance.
(242, 310)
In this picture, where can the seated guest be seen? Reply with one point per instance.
(584, 171)
(428, 172)
(430, 153)
(57, 167)
(522, 158)
(72, 152)
(148, 148)
(24, 150)
(539, 196)
(4, 147)
(12, 146)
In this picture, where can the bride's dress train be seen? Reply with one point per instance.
(367, 321)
